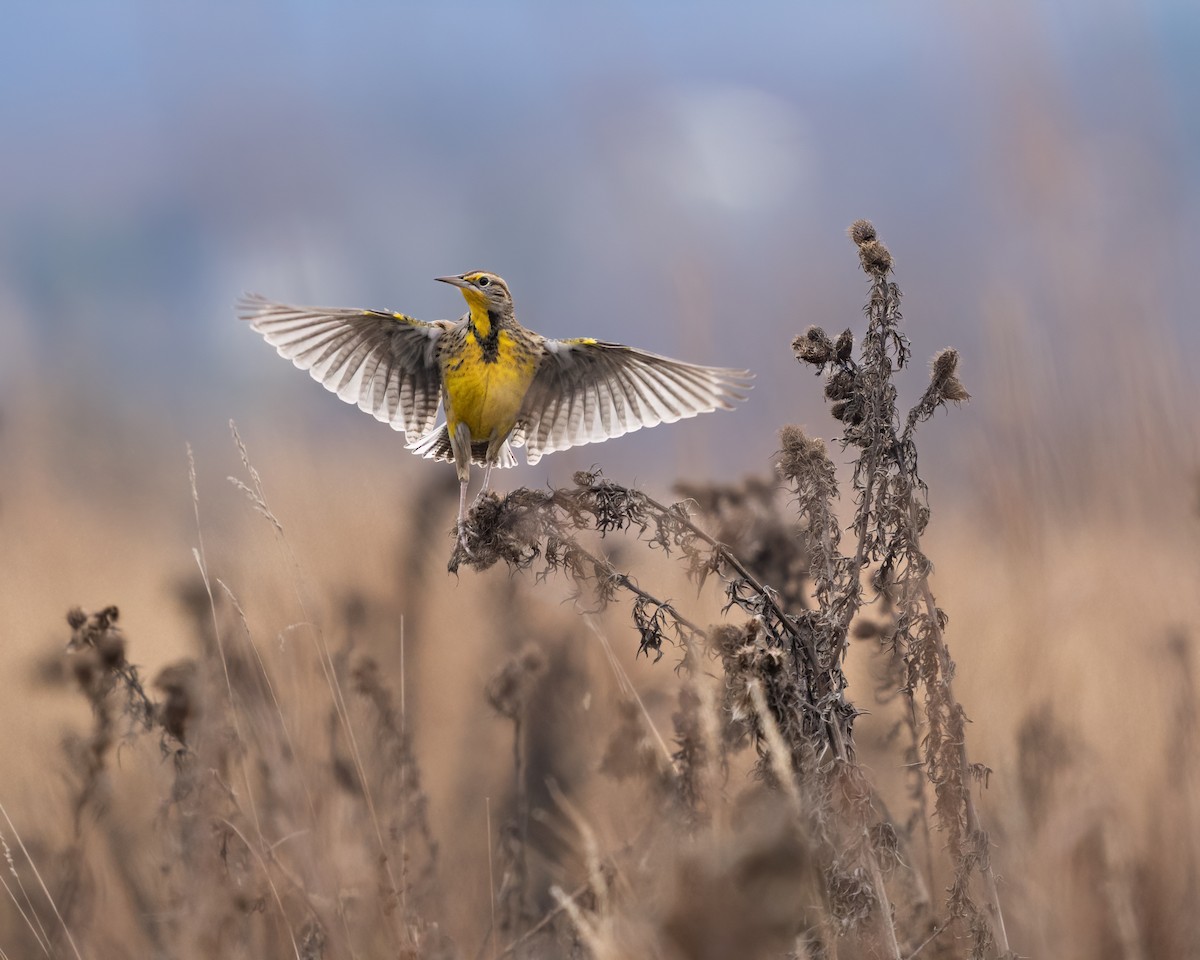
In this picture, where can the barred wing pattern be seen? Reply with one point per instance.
(386, 363)
(588, 390)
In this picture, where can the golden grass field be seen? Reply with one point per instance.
(349, 703)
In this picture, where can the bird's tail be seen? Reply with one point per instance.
(436, 446)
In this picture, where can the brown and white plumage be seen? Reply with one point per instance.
(588, 390)
(385, 363)
(499, 384)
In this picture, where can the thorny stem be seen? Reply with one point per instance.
(727, 557)
(891, 512)
(885, 912)
(624, 580)
(880, 302)
(529, 524)
(723, 553)
(974, 825)
(552, 514)
(927, 941)
(919, 568)
(786, 622)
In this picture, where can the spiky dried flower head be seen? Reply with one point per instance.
(944, 376)
(844, 346)
(497, 531)
(513, 684)
(179, 682)
(813, 346)
(851, 894)
(876, 259)
(99, 632)
(849, 411)
(802, 459)
(725, 638)
(861, 231)
(840, 386)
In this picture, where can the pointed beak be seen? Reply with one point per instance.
(454, 281)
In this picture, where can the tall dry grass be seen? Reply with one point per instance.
(351, 753)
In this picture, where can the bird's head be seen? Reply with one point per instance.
(483, 291)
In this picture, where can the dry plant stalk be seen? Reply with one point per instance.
(783, 667)
(892, 513)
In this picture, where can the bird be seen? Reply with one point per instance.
(500, 385)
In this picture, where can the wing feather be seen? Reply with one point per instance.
(386, 363)
(588, 390)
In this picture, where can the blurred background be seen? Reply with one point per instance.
(676, 176)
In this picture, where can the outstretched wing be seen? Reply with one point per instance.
(384, 362)
(587, 390)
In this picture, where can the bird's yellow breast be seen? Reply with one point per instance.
(486, 394)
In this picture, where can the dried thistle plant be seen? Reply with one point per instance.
(892, 513)
(783, 667)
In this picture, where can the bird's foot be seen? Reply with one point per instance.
(462, 540)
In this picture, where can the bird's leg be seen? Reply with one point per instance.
(497, 446)
(460, 443)
(462, 504)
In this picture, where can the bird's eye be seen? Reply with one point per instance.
(483, 281)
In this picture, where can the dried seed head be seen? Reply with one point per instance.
(848, 411)
(944, 363)
(886, 843)
(813, 346)
(944, 377)
(85, 664)
(861, 231)
(513, 684)
(725, 638)
(179, 682)
(110, 644)
(497, 530)
(875, 258)
(840, 385)
(97, 631)
(801, 457)
(851, 895)
(844, 346)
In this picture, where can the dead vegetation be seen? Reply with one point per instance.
(273, 802)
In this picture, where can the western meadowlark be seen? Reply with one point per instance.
(501, 385)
